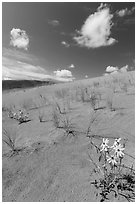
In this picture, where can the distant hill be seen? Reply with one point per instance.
(14, 84)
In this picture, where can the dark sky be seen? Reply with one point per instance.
(52, 28)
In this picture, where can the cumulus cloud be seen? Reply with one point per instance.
(71, 66)
(125, 12)
(105, 74)
(19, 38)
(96, 30)
(111, 69)
(63, 73)
(54, 22)
(114, 72)
(65, 44)
(124, 69)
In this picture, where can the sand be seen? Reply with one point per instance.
(54, 166)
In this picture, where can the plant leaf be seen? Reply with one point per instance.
(100, 157)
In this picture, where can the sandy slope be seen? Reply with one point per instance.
(54, 167)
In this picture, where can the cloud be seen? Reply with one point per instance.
(63, 73)
(71, 66)
(17, 74)
(6, 78)
(114, 72)
(65, 44)
(105, 74)
(124, 69)
(96, 30)
(17, 65)
(111, 69)
(19, 55)
(54, 22)
(19, 70)
(125, 12)
(19, 38)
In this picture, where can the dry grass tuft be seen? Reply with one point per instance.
(109, 101)
(41, 116)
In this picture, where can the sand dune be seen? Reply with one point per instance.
(53, 165)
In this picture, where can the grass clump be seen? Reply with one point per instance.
(109, 101)
(56, 118)
(63, 122)
(9, 138)
(93, 100)
(124, 87)
(4, 108)
(62, 107)
(44, 99)
(96, 84)
(61, 93)
(68, 127)
(61, 110)
(41, 116)
(93, 120)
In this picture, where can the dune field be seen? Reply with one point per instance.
(55, 153)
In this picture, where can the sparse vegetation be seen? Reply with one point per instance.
(61, 110)
(83, 95)
(19, 116)
(114, 87)
(93, 119)
(62, 93)
(44, 100)
(4, 108)
(56, 118)
(63, 122)
(78, 114)
(62, 107)
(109, 101)
(9, 138)
(68, 127)
(93, 100)
(41, 116)
(114, 179)
(124, 87)
(96, 84)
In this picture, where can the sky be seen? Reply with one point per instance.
(67, 40)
